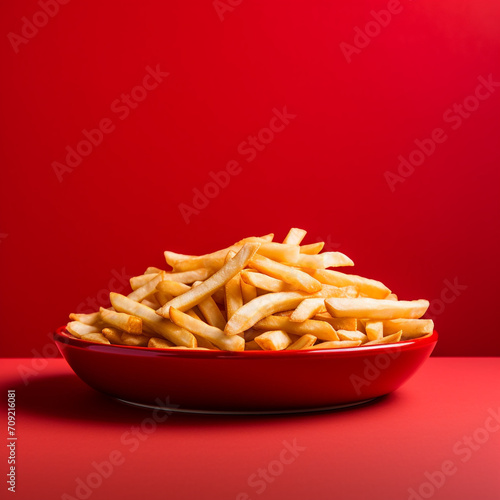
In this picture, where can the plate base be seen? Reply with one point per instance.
(176, 409)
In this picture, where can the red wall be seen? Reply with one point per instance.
(354, 106)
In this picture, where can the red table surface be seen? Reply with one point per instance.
(436, 437)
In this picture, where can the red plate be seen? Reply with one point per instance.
(244, 382)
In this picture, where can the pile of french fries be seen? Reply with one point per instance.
(255, 295)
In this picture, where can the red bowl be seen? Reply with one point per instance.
(244, 382)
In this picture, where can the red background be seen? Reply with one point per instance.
(119, 208)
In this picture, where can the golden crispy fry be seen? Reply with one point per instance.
(213, 261)
(339, 323)
(191, 276)
(161, 326)
(374, 330)
(88, 319)
(248, 292)
(295, 236)
(161, 297)
(320, 329)
(148, 288)
(376, 309)
(279, 252)
(392, 296)
(234, 298)
(157, 343)
(313, 248)
(212, 334)
(337, 344)
(151, 302)
(352, 335)
(259, 308)
(324, 260)
(138, 281)
(97, 338)
(78, 329)
(252, 346)
(173, 288)
(153, 270)
(113, 335)
(303, 342)
(122, 321)
(273, 340)
(204, 343)
(411, 328)
(265, 282)
(307, 309)
(135, 340)
(295, 277)
(395, 337)
(217, 280)
(371, 288)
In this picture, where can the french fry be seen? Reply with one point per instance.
(248, 292)
(148, 288)
(214, 260)
(151, 302)
(320, 329)
(307, 309)
(376, 309)
(337, 344)
(234, 297)
(122, 321)
(113, 335)
(212, 334)
(313, 248)
(97, 338)
(157, 343)
(139, 281)
(259, 308)
(273, 340)
(265, 282)
(153, 270)
(279, 252)
(303, 342)
(338, 323)
(290, 275)
(161, 326)
(323, 261)
(252, 346)
(218, 279)
(395, 337)
(173, 288)
(374, 330)
(135, 340)
(371, 288)
(392, 296)
(411, 328)
(352, 335)
(191, 276)
(88, 319)
(78, 329)
(295, 236)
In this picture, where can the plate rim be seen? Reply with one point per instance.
(61, 336)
